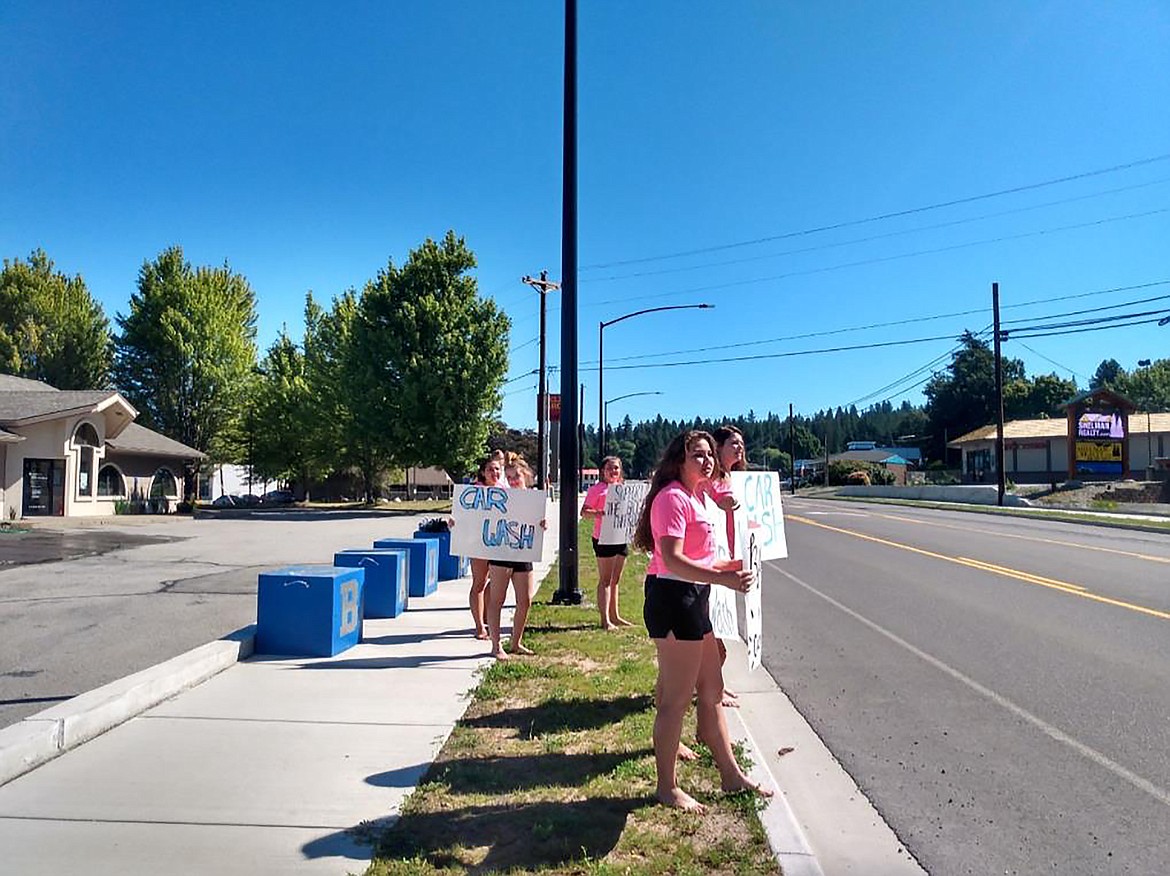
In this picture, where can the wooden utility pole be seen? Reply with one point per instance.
(543, 286)
(999, 451)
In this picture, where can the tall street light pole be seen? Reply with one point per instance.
(568, 592)
(608, 402)
(601, 361)
(542, 286)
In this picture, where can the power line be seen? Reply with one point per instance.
(896, 214)
(891, 386)
(1081, 322)
(1081, 330)
(787, 354)
(827, 332)
(871, 238)
(881, 259)
(1054, 362)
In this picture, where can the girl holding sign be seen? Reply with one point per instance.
(500, 572)
(675, 529)
(611, 558)
(491, 471)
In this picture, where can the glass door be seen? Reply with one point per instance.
(44, 487)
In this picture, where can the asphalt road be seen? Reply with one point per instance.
(81, 607)
(998, 687)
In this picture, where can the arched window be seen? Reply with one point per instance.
(85, 438)
(109, 482)
(164, 485)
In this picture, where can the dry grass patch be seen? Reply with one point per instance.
(551, 769)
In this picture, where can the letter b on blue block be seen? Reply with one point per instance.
(309, 611)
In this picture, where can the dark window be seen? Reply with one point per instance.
(163, 485)
(110, 482)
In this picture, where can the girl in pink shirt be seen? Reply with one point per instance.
(611, 558)
(675, 528)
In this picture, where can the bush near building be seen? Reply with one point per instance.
(840, 471)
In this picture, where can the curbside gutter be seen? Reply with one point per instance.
(41, 737)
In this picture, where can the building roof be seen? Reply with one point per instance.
(12, 383)
(886, 456)
(139, 439)
(1056, 428)
(9, 437)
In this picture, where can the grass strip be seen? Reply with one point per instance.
(551, 769)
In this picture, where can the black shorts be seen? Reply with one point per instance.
(514, 566)
(609, 550)
(678, 607)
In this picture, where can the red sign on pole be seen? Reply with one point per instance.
(554, 407)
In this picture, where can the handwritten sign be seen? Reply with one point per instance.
(721, 602)
(758, 494)
(498, 523)
(623, 507)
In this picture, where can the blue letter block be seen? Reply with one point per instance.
(450, 565)
(423, 566)
(309, 611)
(385, 590)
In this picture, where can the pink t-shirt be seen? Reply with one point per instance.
(675, 513)
(595, 500)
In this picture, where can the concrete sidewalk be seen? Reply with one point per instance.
(275, 765)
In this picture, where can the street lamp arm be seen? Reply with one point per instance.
(657, 310)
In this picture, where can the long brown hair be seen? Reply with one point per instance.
(669, 469)
(722, 435)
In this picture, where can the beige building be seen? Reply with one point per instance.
(79, 453)
(1036, 451)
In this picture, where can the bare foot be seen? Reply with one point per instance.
(607, 626)
(621, 622)
(729, 701)
(501, 654)
(522, 649)
(482, 634)
(685, 752)
(680, 799)
(728, 692)
(743, 783)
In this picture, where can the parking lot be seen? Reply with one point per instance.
(81, 606)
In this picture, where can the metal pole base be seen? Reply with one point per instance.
(572, 597)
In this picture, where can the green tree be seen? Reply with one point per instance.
(187, 350)
(284, 445)
(1107, 374)
(963, 397)
(51, 328)
(428, 358)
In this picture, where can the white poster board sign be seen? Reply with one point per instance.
(623, 508)
(497, 523)
(721, 602)
(758, 494)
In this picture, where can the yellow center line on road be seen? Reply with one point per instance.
(1036, 538)
(1027, 577)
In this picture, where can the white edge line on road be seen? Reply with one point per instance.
(1055, 733)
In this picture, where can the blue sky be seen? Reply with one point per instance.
(305, 144)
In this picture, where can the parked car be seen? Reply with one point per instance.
(224, 501)
(278, 497)
(247, 500)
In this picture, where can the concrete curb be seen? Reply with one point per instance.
(788, 842)
(41, 737)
